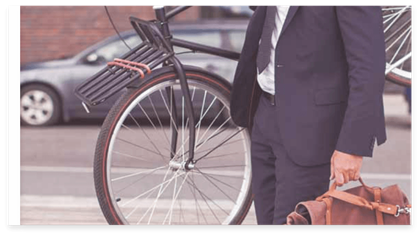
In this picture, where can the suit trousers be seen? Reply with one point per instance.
(278, 183)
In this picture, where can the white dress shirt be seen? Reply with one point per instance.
(266, 78)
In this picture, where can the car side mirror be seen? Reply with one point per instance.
(94, 59)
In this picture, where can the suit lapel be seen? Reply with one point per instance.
(290, 15)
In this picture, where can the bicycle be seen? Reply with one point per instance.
(397, 30)
(184, 185)
(189, 179)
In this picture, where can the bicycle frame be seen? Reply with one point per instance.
(156, 49)
(162, 20)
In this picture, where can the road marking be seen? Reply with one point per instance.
(89, 170)
(56, 169)
(385, 176)
(57, 201)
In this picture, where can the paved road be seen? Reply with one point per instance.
(57, 181)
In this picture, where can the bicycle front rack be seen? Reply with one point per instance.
(134, 65)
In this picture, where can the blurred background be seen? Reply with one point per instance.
(63, 45)
(57, 32)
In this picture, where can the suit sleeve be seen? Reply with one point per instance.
(361, 29)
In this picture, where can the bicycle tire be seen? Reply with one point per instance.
(402, 81)
(109, 203)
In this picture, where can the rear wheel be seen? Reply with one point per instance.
(139, 180)
(397, 29)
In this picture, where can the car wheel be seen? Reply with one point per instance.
(39, 106)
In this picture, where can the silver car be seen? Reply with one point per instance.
(47, 88)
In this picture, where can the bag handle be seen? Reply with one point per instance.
(334, 185)
(358, 201)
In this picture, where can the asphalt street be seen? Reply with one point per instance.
(57, 184)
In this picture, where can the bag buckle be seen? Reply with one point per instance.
(405, 210)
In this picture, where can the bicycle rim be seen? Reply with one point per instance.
(145, 188)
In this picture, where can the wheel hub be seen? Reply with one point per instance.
(36, 107)
(180, 165)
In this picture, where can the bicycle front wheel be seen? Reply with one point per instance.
(139, 178)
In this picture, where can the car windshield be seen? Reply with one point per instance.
(117, 48)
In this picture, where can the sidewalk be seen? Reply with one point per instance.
(395, 105)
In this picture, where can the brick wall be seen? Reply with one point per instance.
(52, 32)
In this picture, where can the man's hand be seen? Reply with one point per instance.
(345, 167)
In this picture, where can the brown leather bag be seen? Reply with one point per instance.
(362, 205)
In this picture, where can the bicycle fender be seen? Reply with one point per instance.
(170, 69)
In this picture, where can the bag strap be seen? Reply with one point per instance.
(377, 197)
(359, 201)
(328, 217)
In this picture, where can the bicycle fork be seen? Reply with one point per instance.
(188, 164)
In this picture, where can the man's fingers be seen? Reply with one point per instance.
(332, 176)
(339, 179)
(351, 175)
(357, 176)
(345, 177)
(342, 178)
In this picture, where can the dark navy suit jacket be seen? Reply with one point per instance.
(329, 79)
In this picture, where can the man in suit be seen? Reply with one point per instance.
(309, 87)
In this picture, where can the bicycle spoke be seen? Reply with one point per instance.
(211, 176)
(120, 139)
(158, 118)
(211, 124)
(205, 197)
(399, 37)
(201, 116)
(137, 173)
(397, 21)
(221, 166)
(227, 120)
(142, 194)
(169, 111)
(399, 48)
(397, 31)
(219, 156)
(197, 204)
(220, 144)
(157, 197)
(406, 52)
(183, 130)
(130, 156)
(174, 199)
(207, 110)
(136, 181)
(396, 18)
(154, 127)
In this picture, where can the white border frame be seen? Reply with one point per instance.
(13, 121)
